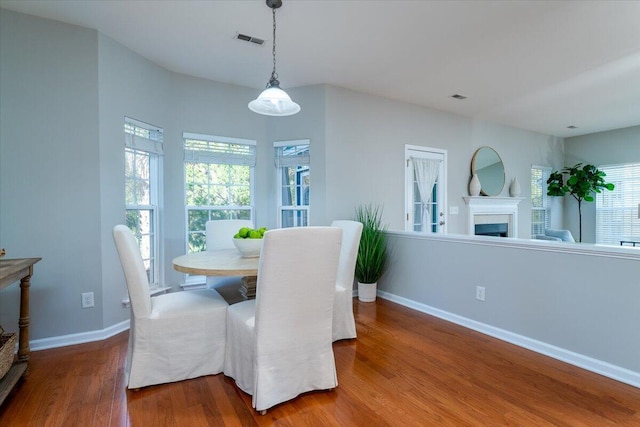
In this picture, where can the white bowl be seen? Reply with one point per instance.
(249, 248)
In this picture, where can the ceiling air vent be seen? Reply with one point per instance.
(458, 96)
(572, 127)
(250, 39)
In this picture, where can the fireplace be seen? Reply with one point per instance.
(496, 229)
(493, 216)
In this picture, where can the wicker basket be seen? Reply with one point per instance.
(7, 347)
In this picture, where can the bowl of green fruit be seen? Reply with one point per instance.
(248, 241)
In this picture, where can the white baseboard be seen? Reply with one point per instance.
(594, 365)
(80, 338)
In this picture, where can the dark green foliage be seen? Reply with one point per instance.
(580, 182)
(372, 255)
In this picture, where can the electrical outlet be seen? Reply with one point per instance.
(453, 210)
(87, 300)
(480, 291)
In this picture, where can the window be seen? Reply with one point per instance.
(143, 166)
(218, 182)
(425, 189)
(618, 211)
(292, 162)
(540, 213)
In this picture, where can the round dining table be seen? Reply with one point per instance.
(221, 262)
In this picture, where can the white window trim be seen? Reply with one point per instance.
(215, 159)
(605, 194)
(156, 164)
(280, 207)
(548, 170)
(215, 138)
(194, 280)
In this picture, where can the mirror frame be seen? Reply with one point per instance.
(474, 171)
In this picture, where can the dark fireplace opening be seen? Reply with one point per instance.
(498, 230)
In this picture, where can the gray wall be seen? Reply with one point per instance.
(65, 92)
(600, 149)
(70, 89)
(50, 170)
(128, 86)
(365, 143)
(309, 123)
(211, 108)
(561, 296)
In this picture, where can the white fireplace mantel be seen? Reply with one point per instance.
(484, 205)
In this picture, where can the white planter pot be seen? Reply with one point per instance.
(367, 291)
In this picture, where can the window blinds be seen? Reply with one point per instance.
(540, 215)
(292, 153)
(142, 137)
(220, 150)
(617, 211)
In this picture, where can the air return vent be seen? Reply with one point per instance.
(250, 39)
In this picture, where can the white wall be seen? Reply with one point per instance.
(600, 149)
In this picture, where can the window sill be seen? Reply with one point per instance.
(126, 303)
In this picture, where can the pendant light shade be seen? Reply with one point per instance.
(274, 101)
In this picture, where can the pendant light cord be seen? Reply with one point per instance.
(273, 101)
(274, 75)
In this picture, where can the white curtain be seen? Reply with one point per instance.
(426, 171)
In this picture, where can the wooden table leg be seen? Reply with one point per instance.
(23, 323)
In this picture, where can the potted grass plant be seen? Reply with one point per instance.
(372, 251)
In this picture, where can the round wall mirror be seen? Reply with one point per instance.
(488, 165)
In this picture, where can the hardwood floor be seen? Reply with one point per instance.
(404, 369)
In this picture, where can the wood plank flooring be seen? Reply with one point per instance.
(405, 369)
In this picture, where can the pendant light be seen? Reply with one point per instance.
(274, 101)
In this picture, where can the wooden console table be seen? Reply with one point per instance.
(12, 270)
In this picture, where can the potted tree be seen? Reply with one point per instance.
(581, 182)
(372, 251)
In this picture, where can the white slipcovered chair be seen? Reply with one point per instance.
(279, 345)
(219, 235)
(344, 325)
(172, 337)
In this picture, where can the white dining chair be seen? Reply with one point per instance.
(174, 336)
(344, 324)
(219, 235)
(279, 345)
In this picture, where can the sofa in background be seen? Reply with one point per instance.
(556, 235)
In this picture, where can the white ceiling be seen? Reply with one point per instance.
(537, 65)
